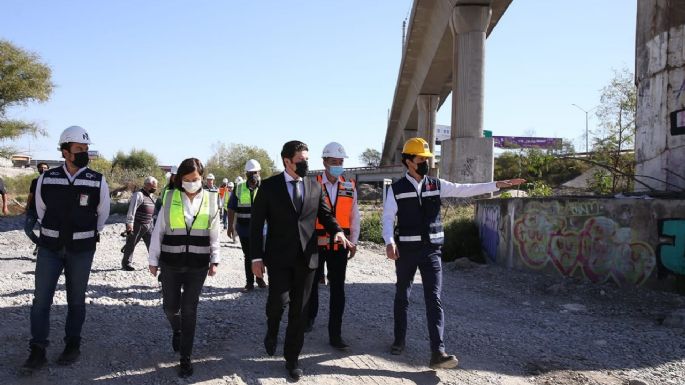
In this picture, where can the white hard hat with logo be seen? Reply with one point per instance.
(334, 150)
(239, 180)
(174, 169)
(74, 134)
(230, 184)
(210, 176)
(252, 165)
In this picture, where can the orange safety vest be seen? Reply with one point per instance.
(342, 210)
(222, 191)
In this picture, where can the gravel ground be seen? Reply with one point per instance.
(506, 327)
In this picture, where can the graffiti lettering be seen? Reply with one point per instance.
(672, 256)
(582, 209)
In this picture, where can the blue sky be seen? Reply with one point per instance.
(175, 77)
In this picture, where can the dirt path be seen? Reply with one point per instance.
(506, 327)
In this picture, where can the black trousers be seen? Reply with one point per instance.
(289, 286)
(180, 295)
(337, 267)
(249, 277)
(140, 231)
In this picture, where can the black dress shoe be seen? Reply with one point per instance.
(128, 267)
(176, 341)
(340, 344)
(442, 360)
(310, 326)
(70, 354)
(247, 288)
(397, 348)
(260, 283)
(294, 371)
(35, 361)
(270, 345)
(186, 368)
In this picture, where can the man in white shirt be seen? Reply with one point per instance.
(341, 197)
(72, 204)
(416, 241)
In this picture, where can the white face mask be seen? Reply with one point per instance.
(192, 187)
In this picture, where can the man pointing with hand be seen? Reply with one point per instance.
(416, 242)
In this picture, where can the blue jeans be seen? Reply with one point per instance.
(49, 266)
(427, 258)
(31, 220)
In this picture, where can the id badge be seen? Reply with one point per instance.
(83, 199)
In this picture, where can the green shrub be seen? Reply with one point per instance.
(538, 189)
(19, 185)
(371, 228)
(462, 240)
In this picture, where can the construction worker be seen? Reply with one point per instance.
(170, 182)
(139, 220)
(239, 207)
(341, 196)
(185, 249)
(226, 197)
(31, 214)
(3, 195)
(415, 201)
(72, 203)
(222, 198)
(210, 186)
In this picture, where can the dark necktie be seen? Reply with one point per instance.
(297, 196)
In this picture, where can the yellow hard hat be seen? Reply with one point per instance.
(417, 146)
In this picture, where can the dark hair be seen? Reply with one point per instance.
(406, 157)
(186, 167)
(290, 148)
(42, 164)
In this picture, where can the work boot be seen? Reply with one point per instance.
(70, 354)
(247, 288)
(442, 360)
(397, 348)
(35, 361)
(186, 368)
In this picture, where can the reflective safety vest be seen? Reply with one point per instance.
(70, 219)
(418, 219)
(165, 190)
(245, 198)
(182, 246)
(342, 210)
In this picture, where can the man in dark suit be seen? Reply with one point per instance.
(290, 203)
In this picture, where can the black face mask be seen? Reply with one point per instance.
(255, 179)
(152, 191)
(422, 168)
(301, 168)
(81, 159)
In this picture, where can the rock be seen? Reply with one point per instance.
(574, 307)
(637, 382)
(462, 264)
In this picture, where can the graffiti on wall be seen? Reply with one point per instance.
(672, 251)
(488, 219)
(549, 233)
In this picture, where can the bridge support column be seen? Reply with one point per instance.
(427, 106)
(464, 154)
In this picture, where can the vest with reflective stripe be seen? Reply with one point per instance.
(418, 220)
(183, 247)
(244, 210)
(146, 209)
(342, 210)
(70, 218)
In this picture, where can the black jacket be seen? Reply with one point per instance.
(288, 235)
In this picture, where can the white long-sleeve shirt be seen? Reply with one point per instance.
(355, 220)
(103, 206)
(447, 190)
(190, 210)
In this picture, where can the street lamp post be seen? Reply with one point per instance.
(587, 147)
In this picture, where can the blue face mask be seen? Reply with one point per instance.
(336, 171)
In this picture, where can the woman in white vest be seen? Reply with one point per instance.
(185, 249)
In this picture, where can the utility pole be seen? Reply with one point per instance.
(587, 147)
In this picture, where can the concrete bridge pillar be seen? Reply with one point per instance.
(467, 156)
(427, 106)
(660, 78)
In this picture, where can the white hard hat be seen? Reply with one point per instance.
(334, 150)
(75, 134)
(230, 184)
(239, 180)
(225, 180)
(252, 165)
(167, 176)
(210, 176)
(174, 169)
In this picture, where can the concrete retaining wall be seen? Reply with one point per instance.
(627, 241)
